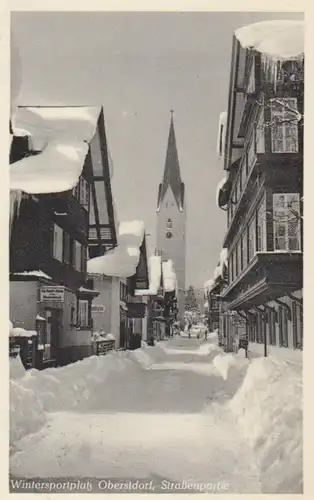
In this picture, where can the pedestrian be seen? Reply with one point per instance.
(205, 334)
(189, 329)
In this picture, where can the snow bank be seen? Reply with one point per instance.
(27, 414)
(122, 261)
(16, 368)
(55, 170)
(268, 410)
(169, 276)
(225, 362)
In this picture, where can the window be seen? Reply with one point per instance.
(230, 268)
(260, 133)
(101, 202)
(261, 226)
(284, 125)
(251, 78)
(243, 174)
(78, 256)
(283, 326)
(251, 156)
(239, 256)
(83, 314)
(234, 263)
(57, 242)
(67, 248)
(244, 249)
(286, 216)
(84, 192)
(251, 239)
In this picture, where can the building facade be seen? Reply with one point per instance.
(51, 231)
(171, 218)
(262, 147)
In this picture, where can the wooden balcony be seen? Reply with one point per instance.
(268, 276)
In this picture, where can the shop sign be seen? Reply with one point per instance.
(52, 294)
(98, 308)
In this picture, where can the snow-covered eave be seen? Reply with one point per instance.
(35, 274)
(277, 41)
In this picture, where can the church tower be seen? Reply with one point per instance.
(171, 217)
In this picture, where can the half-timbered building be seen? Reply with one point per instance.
(61, 211)
(262, 150)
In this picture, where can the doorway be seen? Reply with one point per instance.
(54, 331)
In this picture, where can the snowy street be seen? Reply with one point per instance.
(154, 414)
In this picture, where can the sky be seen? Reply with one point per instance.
(139, 65)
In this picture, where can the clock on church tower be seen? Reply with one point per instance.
(169, 229)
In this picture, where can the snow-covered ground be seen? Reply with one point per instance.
(179, 411)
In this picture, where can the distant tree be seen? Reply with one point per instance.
(190, 299)
(192, 310)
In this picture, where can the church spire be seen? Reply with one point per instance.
(172, 176)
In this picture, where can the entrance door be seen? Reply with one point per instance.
(54, 331)
(122, 333)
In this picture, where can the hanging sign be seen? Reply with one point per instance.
(98, 308)
(52, 294)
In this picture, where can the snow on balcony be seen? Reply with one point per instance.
(278, 41)
(169, 276)
(221, 139)
(122, 261)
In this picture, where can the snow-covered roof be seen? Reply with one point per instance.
(223, 263)
(218, 272)
(279, 40)
(122, 261)
(40, 318)
(55, 170)
(39, 274)
(221, 139)
(73, 123)
(169, 276)
(154, 268)
(62, 135)
(21, 332)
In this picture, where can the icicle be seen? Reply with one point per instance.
(15, 204)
